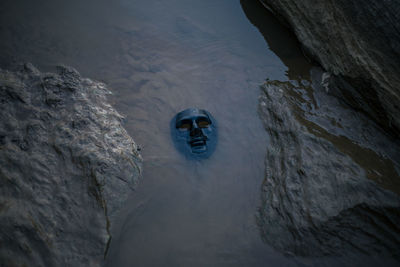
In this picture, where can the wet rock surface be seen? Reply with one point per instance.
(66, 166)
(359, 43)
(332, 179)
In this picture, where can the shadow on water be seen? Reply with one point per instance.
(279, 39)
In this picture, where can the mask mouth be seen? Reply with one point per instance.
(198, 144)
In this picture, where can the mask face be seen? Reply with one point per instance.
(194, 133)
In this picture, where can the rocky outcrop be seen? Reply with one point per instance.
(332, 183)
(359, 43)
(66, 164)
(332, 179)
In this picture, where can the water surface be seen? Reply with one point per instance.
(160, 57)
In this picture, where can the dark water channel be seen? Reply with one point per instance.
(159, 57)
(199, 213)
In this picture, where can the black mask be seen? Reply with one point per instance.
(194, 132)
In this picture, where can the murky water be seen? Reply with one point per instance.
(195, 212)
(160, 57)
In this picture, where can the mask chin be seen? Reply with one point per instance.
(194, 133)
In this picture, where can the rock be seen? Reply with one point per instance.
(332, 179)
(66, 166)
(358, 42)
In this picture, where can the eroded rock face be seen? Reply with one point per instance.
(359, 43)
(332, 179)
(66, 166)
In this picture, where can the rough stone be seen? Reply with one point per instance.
(358, 42)
(66, 166)
(332, 179)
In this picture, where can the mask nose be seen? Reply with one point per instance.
(196, 131)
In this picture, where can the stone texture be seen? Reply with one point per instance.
(356, 41)
(332, 179)
(66, 166)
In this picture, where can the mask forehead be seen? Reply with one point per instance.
(191, 112)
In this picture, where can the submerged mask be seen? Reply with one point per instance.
(194, 132)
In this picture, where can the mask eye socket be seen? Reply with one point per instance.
(203, 123)
(184, 126)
